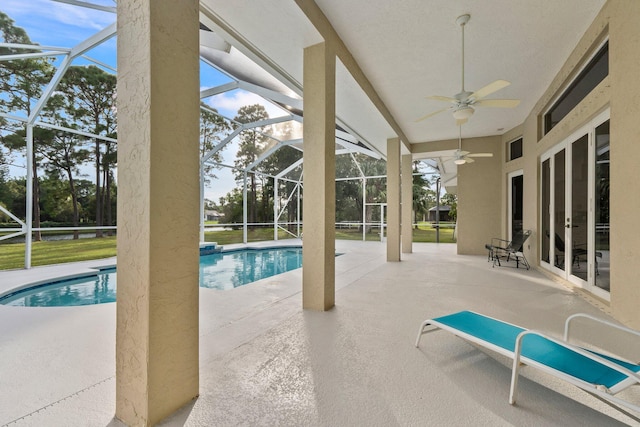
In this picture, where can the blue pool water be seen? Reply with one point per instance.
(221, 270)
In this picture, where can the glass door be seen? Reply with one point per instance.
(516, 184)
(600, 226)
(576, 226)
(553, 200)
(574, 197)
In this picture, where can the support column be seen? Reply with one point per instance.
(407, 204)
(244, 208)
(276, 208)
(393, 199)
(158, 208)
(28, 237)
(319, 199)
(202, 208)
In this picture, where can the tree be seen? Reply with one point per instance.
(421, 193)
(251, 145)
(63, 155)
(21, 84)
(451, 200)
(349, 193)
(231, 206)
(276, 163)
(212, 127)
(89, 94)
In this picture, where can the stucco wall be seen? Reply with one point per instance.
(621, 92)
(479, 201)
(624, 68)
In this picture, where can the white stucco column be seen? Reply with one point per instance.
(158, 208)
(319, 198)
(407, 203)
(393, 199)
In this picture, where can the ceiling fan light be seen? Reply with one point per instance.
(459, 161)
(463, 113)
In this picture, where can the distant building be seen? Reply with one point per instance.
(211, 215)
(444, 213)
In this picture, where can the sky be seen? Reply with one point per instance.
(51, 23)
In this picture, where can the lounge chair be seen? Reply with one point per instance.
(599, 374)
(508, 249)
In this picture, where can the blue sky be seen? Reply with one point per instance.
(50, 23)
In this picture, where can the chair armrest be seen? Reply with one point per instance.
(567, 325)
(499, 243)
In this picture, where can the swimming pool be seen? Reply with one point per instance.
(220, 270)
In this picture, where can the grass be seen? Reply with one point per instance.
(61, 251)
(57, 252)
(227, 237)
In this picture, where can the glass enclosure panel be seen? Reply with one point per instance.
(601, 253)
(546, 205)
(559, 214)
(579, 206)
(516, 204)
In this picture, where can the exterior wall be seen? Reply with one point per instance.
(621, 92)
(624, 66)
(479, 200)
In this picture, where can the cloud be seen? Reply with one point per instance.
(49, 23)
(229, 103)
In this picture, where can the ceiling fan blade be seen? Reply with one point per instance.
(460, 122)
(468, 160)
(432, 114)
(462, 153)
(489, 89)
(499, 103)
(442, 98)
(480, 155)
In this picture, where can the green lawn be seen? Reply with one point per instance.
(57, 252)
(61, 251)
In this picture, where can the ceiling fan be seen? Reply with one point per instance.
(461, 157)
(463, 103)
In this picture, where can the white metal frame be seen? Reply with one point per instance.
(346, 141)
(633, 378)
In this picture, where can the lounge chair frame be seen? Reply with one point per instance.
(509, 248)
(629, 370)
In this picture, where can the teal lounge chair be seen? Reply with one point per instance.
(596, 373)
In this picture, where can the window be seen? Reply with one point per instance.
(515, 149)
(595, 71)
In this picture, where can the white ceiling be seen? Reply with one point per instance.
(410, 49)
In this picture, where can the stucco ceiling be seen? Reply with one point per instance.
(410, 49)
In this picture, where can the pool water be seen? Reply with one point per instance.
(221, 270)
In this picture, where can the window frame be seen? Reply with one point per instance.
(566, 88)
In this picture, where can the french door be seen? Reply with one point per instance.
(575, 207)
(515, 192)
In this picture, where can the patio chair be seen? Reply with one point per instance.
(578, 252)
(599, 374)
(508, 249)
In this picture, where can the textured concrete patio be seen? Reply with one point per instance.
(266, 362)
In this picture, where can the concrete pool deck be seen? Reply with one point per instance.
(265, 361)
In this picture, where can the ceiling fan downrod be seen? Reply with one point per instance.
(462, 20)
